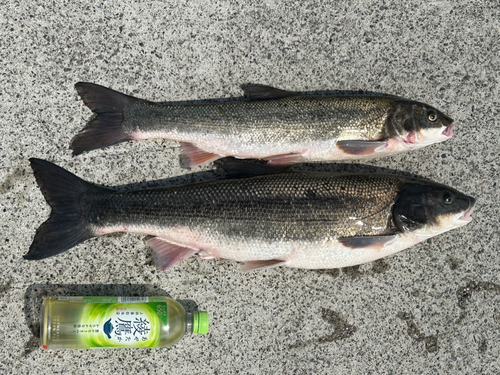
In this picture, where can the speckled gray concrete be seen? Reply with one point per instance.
(430, 309)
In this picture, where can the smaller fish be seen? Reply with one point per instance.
(267, 219)
(279, 126)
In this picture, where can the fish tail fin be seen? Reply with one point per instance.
(64, 228)
(105, 128)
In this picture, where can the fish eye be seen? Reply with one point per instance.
(432, 116)
(447, 198)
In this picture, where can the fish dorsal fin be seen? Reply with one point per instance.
(262, 92)
(368, 242)
(235, 168)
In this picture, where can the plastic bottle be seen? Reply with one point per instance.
(116, 322)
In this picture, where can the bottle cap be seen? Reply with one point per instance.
(200, 322)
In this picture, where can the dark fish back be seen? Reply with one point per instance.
(294, 119)
(301, 204)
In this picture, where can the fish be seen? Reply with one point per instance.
(279, 126)
(310, 220)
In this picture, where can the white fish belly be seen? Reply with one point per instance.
(310, 151)
(297, 254)
(336, 255)
(328, 253)
(312, 255)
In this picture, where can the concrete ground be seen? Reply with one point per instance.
(430, 309)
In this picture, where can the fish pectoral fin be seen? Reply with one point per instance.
(193, 156)
(262, 92)
(361, 147)
(235, 168)
(167, 254)
(368, 242)
(262, 264)
(284, 160)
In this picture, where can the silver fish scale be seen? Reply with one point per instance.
(295, 119)
(291, 206)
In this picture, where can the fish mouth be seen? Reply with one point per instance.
(467, 214)
(448, 131)
(411, 139)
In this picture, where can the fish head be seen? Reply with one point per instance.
(429, 209)
(417, 125)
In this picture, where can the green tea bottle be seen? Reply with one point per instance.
(116, 322)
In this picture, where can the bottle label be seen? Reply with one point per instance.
(119, 321)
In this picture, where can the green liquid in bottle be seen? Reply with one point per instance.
(116, 322)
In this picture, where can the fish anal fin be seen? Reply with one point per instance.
(193, 156)
(167, 254)
(361, 147)
(262, 264)
(262, 92)
(368, 242)
(284, 160)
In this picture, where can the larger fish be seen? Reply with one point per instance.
(302, 220)
(279, 126)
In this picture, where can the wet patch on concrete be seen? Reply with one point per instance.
(333, 272)
(341, 329)
(453, 263)
(30, 346)
(431, 342)
(353, 271)
(465, 293)
(11, 180)
(4, 287)
(379, 266)
(483, 346)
